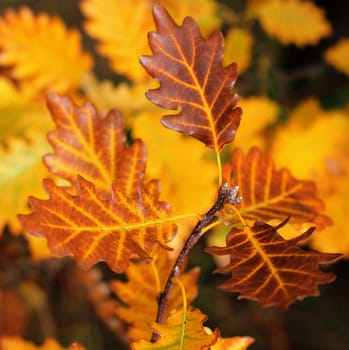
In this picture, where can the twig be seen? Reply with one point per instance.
(226, 195)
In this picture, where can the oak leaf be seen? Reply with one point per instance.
(93, 229)
(182, 330)
(93, 147)
(21, 171)
(338, 55)
(271, 194)
(192, 80)
(269, 269)
(293, 21)
(35, 60)
(139, 295)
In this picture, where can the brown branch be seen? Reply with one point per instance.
(225, 196)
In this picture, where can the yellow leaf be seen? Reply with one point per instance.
(140, 294)
(317, 148)
(235, 343)
(39, 49)
(120, 27)
(21, 172)
(126, 98)
(293, 21)
(258, 113)
(204, 12)
(238, 46)
(338, 56)
(20, 110)
(187, 176)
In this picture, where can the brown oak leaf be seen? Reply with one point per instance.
(94, 229)
(267, 268)
(192, 80)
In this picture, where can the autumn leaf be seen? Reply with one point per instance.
(235, 343)
(269, 269)
(192, 80)
(17, 343)
(35, 60)
(140, 293)
(93, 147)
(293, 21)
(94, 229)
(238, 48)
(21, 171)
(338, 55)
(270, 194)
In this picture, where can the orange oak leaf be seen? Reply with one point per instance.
(192, 80)
(271, 194)
(139, 295)
(93, 146)
(94, 229)
(267, 268)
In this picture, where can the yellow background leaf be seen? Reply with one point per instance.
(319, 139)
(237, 48)
(338, 56)
(21, 172)
(258, 113)
(182, 164)
(36, 59)
(122, 43)
(293, 21)
(141, 292)
(20, 110)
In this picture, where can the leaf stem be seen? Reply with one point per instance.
(219, 167)
(226, 195)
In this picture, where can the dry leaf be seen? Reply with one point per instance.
(265, 267)
(94, 229)
(192, 80)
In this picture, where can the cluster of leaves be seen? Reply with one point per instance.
(104, 206)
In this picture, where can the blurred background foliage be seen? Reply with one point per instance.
(294, 69)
